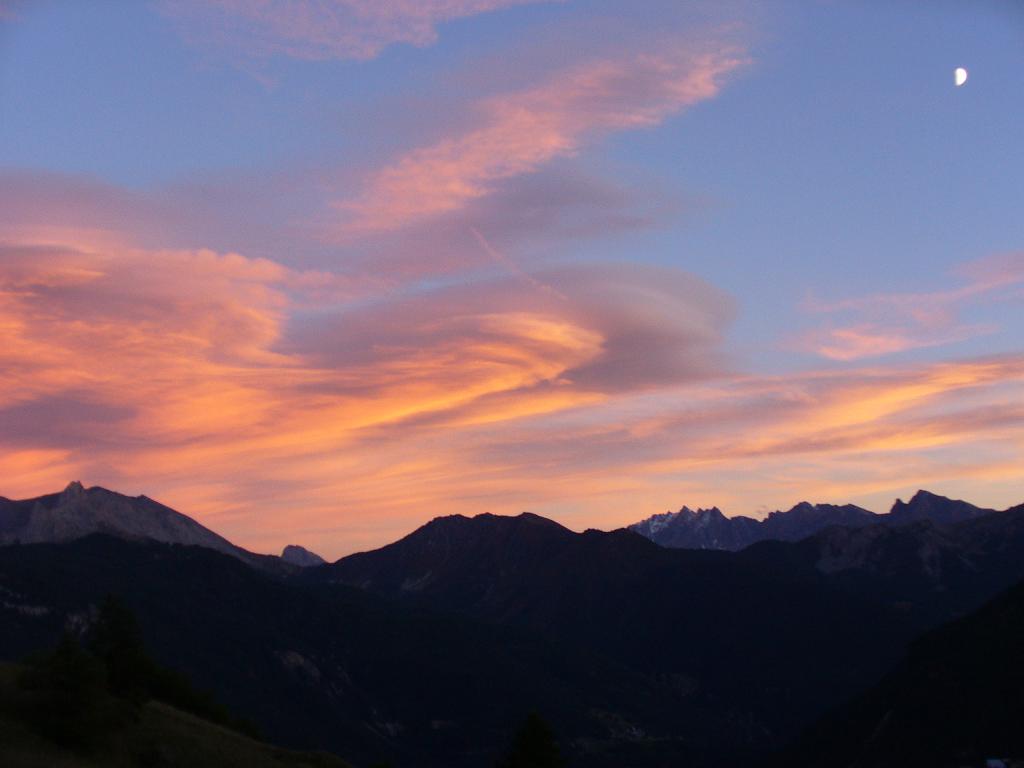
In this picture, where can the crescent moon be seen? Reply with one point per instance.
(959, 76)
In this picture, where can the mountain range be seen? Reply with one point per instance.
(429, 651)
(711, 529)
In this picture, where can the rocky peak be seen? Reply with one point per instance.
(301, 556)
(925, 505)
(74, 490)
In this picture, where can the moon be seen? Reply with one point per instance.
(959, 76)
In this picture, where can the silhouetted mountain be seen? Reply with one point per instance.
(760, 639)
(955, 700)
(77, 512)
(937, 509)
(301, 556)
(328, 667)
(427, 652)
(710, 529)
(482, 560)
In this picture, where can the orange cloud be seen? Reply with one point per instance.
(319, 29)
(278, 405)
(198, 376)
(519, 132)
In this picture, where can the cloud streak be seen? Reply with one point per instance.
(517, 133)
(317, 30)
(887, 323)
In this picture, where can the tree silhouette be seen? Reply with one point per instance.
(67, 701)
(534, 746)
(117, 643)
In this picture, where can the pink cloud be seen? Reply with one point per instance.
(519, 132)
(319, 29)
(882, 324)
(873, 340)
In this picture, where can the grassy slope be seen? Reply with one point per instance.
(163, 737)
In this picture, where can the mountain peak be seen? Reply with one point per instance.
(923, 495)
(74, 489)
(925, 505)
(301, 556)
(710, 512)
(77, 512)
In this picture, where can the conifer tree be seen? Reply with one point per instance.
(117, 643)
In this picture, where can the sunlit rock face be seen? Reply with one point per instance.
(78, 511)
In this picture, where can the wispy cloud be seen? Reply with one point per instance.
(318, 29)
(519, 132)
(886, 323)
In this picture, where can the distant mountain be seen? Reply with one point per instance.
(710, 529)
(76, 512)
(937, 509)
(301, 556)
(700, 529)
(956, 700)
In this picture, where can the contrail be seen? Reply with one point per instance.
(514, 268)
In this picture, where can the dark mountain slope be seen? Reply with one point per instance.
(159, 736)
(477, 561)
(759, 648)
(321, 666)
(956, 700)
(932, 573)
(764, 638)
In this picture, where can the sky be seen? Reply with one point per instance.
(318, 271)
